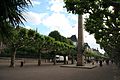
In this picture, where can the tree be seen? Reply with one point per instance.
(55, 34)
(55, 49)
(68, 50)
(39, 42)
(62, 45)
(49, 46)
(18, 41)
(58, 37)
(11, 14)
(103, 21)
(73, 53)
(65, 51)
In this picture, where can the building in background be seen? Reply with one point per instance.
(73, 38)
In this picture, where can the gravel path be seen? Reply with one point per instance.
(51, 72)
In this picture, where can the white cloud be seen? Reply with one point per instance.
(34, 18)
(58, 22)
(55, 1)
(35, 2)
(57, 6)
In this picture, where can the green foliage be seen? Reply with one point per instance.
(93, 53)
(11, 10)
(58, 37)
(18, 38)
(31, 34)
(29, 43)
(11, 15)
(103, 22)
(5, 32)
(62, 44)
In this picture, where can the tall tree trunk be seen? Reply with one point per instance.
(12, 63)
(80, 61)
(39, 59)
(64, 59)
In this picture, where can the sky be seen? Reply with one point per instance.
(49, 15)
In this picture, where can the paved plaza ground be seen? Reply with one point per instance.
(55, 72)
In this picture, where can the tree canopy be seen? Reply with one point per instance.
(58, 37)
(103, 22)
(30, 42)
(11, 14)
(11, 11)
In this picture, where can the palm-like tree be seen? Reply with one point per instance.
(11, 14)
(11, 11)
